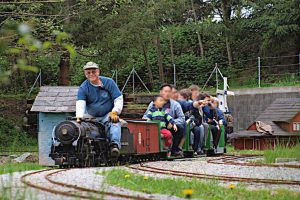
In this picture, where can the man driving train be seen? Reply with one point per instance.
(100, 97)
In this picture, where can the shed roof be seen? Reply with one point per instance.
(281, 110)
(56, 99)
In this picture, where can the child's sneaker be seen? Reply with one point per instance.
(169, 154)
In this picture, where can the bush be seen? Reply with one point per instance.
(13, 139)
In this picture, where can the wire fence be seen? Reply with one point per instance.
(256, 72)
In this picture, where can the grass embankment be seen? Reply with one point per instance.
(282, 152)
(271, 155)
(181, 187)
(230, 150)
(19, 167)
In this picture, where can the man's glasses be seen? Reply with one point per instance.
(90, 72)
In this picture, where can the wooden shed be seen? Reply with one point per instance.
(53, 105)
(284, 117)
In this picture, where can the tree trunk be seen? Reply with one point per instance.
(172, 57)
(64, 69)
(159, 59)
(228, 48)
(171, 48)
(226, 12)
(150, 75)
(200, 45)
(198, 34)
(64, 64)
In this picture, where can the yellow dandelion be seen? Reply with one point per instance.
(127, 176)
(146, 177)
(187, 193)
(231, 186)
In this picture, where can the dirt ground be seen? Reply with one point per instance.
(12, 109)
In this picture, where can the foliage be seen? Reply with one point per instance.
(14, 139)
(119, 35)
(196, 188)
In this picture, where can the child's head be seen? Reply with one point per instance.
(159, 102)
(185, 94)
(195, 92)
(215, 102)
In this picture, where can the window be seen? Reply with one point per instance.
(296, 126)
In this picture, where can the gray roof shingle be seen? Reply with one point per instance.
(281, 110)
(56, 99)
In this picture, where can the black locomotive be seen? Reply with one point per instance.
(81, 144)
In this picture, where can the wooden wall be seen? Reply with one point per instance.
(47, 121)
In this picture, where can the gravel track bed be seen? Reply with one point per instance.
(87, 177)
(200, 165)
(81, 177)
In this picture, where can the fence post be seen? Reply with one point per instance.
(133, 72)
(217, 83)
(117, 77)
(299, 63)
(258, 65)
(40, 77)
(174, 74)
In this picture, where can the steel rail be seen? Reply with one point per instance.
(231, 161)
(147, 168)
(66, 185)
(90, 190)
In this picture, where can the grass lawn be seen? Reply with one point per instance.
(230, 150)
(282, 152)
(19, 167)
(182, 187)
(270, 155)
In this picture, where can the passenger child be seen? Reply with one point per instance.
(156, 112)
(185, 94)
(215, 117)
(195, 90)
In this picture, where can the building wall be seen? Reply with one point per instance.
(248, 104)
(295, 119)
(47, 121)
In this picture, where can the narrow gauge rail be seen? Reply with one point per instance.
(232, 160)
(24, 179)
(147, 168)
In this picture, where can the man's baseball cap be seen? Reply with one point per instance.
(90, 65)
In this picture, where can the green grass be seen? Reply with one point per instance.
(282, 152)
(19, 167)
(231, 150)
(270, 155)
(201, 189)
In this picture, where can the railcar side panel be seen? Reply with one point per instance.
(146, 136)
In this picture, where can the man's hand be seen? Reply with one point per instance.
(113, 117)
(197, 104)
(169, 126)
(175, 128)
(78, 119)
